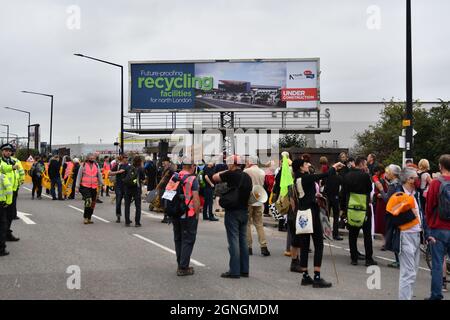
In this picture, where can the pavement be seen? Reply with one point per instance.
(118, 262)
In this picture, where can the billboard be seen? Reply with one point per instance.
(34, 136)
(231, 85)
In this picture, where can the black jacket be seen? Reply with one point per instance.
(54, 168)
(309, 187)
(357, 181)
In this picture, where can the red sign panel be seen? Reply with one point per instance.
(299, 94)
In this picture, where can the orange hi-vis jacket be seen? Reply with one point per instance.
(89, 178)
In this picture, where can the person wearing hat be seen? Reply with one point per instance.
(256, 210)
(13, 170)
(6, 195)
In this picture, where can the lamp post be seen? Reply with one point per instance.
(7, 131)
(29, 118)
(121, 93)
(409, 123)
(51, 112)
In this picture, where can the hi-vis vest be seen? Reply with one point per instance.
(89, 178)
(188, 195)
(69, 169)
(12, 175)
(6, 190)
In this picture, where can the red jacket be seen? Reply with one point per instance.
(432, 215)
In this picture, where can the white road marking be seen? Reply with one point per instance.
(197, 263)
(93, 216)
(24, 218)
(44, 195)
(152, 215)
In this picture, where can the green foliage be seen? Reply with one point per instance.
(22, 154)
(292, 140)
(431, 141)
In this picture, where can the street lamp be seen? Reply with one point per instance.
(7, 132)
(121, 93)
(29, 117)
(409, 86)
(51, 112)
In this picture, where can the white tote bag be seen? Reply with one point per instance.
(304, 223)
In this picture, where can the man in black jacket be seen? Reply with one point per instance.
(358, 181)
(54, 168)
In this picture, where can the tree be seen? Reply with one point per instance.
(431, 141)
(23, 154)
(292, 140)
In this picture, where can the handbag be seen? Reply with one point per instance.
(303, 222)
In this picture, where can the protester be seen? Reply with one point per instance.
(37, 170)
(168, 169)
(150, 173)
(256, 210)
(235, 203)
(119, 171)
(357, 185)
(306, 189)
(106, 167)
(185, 226)
(208, 172)
(380, 204)
(438, 220)
(424, 180)
(54, 169)
(76, 168)
(392, 175)
(333, 185)
(371, 163)
(88, 180)
(132, 182)
(219, 188)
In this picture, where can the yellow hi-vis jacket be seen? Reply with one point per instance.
(6, 190)
(20, 173)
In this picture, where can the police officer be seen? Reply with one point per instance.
(6, 195)
(13, 170)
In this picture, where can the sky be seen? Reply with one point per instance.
(361, 46)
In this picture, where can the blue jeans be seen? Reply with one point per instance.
(56, 181)
(438, 252)
(236, 227)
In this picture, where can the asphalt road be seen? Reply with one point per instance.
(117, 262)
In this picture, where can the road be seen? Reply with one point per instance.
(117, 262)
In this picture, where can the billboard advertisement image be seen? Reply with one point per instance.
(224, 85)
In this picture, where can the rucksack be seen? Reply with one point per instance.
(444, 200)
(356, 209)
(33, 169)
(175, 205)
(131, 177)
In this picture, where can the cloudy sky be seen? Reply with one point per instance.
(357, 63)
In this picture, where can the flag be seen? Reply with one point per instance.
(286, 177)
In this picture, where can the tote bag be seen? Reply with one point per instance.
(304, 222)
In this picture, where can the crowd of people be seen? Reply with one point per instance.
(408, 206)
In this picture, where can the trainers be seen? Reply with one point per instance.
(86, 221)
(90, 221)
(229, 275)
(307, 281)
(185, 272)
(321, 283)
(287, 253)
(394, 265)
(265, 252)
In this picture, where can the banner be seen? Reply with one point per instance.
(236, 85)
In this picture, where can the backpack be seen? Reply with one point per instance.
(131, 177)
(356, 209)
(32, 171)
(175, 206)
(444, 200)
